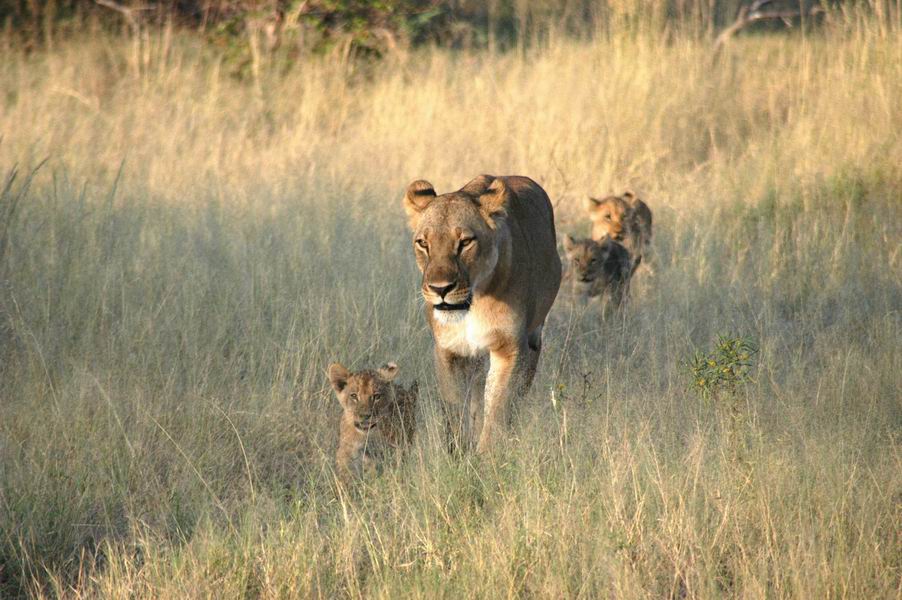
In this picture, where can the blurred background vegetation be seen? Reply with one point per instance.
(374, 27)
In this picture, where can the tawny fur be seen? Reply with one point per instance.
(598, 269)
(489, 259)
(626, 219)
(378, 418)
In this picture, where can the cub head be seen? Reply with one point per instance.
(595, 264)
(457, 239)
(365, 395)
(610, 217)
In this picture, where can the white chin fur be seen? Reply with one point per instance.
(449, 317)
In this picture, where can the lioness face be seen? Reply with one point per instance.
(366, 395)
(455, 241)
(609, 217)
(593, 264)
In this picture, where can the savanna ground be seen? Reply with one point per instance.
(196, 249)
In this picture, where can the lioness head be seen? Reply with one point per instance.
(610, 216)
(596, 264)
(456, 240)
(366, 395)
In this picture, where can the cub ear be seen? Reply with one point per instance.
(591, 203)
(388, 371)
(568, 242)
(419, 194)
(493, 203)
(338, 377)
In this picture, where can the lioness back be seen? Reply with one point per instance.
(531, 219)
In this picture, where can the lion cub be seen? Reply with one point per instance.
(598, 269)
(379, 417)
(624, 218)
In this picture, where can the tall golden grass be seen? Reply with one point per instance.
(196, 249)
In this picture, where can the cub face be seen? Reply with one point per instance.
(596, 265)
(366, 396)
(610, 218)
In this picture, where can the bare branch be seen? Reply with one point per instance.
(128, 12)
(754, 12)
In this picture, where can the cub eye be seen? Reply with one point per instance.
(377, 397)
(593, 261)
(607, 217)
(353, 397)
(421, 243)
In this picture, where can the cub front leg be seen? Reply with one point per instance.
(460, 387)
(508, 371)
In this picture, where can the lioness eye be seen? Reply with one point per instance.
(465, 242)
(377, 397)
(421, 243)
(353, 397)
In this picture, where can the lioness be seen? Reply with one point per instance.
(598, 269)
(624, 218)
(379, 416)
(490, 275)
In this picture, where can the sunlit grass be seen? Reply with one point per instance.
(197, 249)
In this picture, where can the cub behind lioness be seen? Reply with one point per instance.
(379, 417)
(626, 219)
(598, 269)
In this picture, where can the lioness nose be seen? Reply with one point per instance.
(441, 288)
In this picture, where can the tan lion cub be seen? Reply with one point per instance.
(598, 269)
(626, 219)
(379, 417)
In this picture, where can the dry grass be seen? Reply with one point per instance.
(166, 429)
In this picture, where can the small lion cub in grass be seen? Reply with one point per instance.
(379, 417)
(598, 269)
(625, 219)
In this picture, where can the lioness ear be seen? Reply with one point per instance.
(478, 185)
(388, 371)
(338, 377)
(568, 242)
(419, 194)
(493, 203)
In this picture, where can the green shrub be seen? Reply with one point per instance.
(723, 370)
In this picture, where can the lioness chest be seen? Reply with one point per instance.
(470, 334)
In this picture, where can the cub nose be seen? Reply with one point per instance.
(441, 288)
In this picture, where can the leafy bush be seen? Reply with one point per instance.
(723, 370)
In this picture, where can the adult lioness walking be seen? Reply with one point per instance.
(490, 275)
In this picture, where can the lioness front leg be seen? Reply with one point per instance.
(507, 373)
(460, 387)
